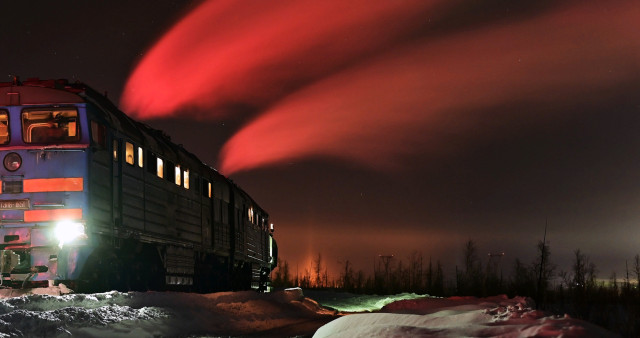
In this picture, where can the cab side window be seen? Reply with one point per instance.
(4, 127)
(98, 135)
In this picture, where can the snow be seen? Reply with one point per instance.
(349, 302)
(460, 317)
(57, 312)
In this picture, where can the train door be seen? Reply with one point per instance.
(116, 182)
(132, 185)
(232, 226)
(100, 188)
(207, 211)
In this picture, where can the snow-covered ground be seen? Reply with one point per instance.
(55, 312)
(460, 317)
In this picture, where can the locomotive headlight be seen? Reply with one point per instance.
(67, 232)
(12, 161)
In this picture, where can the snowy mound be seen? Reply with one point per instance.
(53, 312)
(345, 302)
(459, 317)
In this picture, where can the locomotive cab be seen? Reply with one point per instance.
(43, 145)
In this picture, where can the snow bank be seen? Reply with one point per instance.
(53, 312)
(460, 316)
(349, 303)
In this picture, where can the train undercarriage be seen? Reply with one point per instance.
(133, 266)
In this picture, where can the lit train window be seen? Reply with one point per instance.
(128, 153)
(206, 188)
(177, 172)
(140, 157)
(50, 126)
(159, 167)
(250, 214)
(4, 127)
(185, 178)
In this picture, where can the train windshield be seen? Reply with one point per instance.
(50, 126)
(4, 127)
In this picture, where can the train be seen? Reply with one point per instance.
(98, 201)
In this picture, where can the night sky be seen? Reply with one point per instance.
(385, 127)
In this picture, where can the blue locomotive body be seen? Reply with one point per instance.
(94, 199)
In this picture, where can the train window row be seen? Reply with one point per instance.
(130, 154)
(135, 156)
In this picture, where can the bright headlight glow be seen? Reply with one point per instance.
(67, 231)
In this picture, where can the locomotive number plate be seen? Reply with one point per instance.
(14, 204)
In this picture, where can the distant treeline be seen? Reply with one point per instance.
(613, 304)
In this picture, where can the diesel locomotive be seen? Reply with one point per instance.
(94, 199)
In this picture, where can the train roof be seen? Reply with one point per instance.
(61, 91)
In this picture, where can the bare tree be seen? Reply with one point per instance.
(347, 276)
(584, 272)
(306, 279)
(614, 283)
(415, 275)
(627, 280)
(325, 277)
(438, 282)
(430, 277)
(286, 275)
(470, 257)
(544, 269)
(317, 269)
(470, 283)
(522, 282)
(360, 280)
(579, 270)
(636, 268)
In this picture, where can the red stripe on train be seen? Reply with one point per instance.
(52, 215)
(53, 184)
